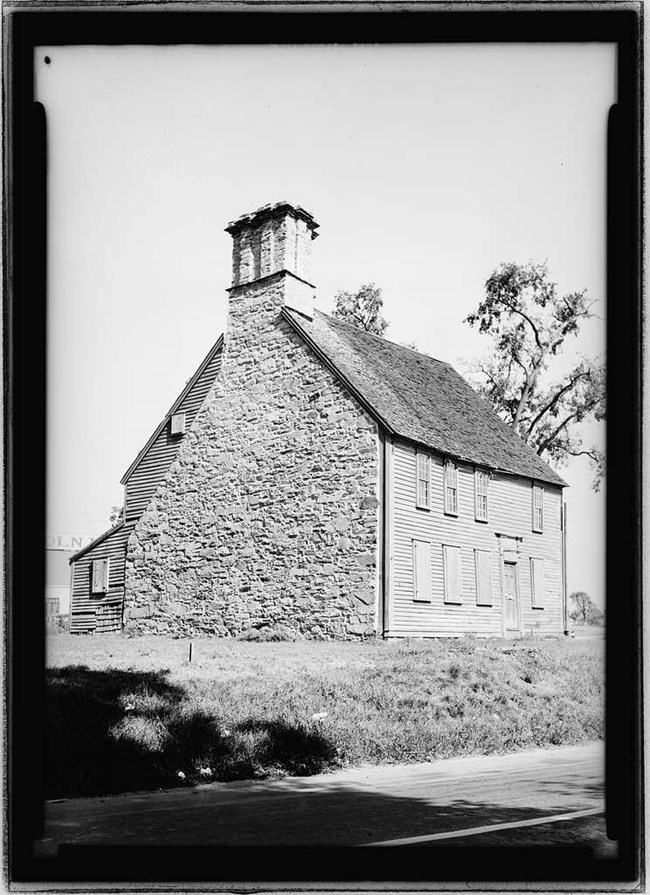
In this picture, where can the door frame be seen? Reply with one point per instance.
(510, 552)
(517, 629)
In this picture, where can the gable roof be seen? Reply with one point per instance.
(216, 348)
(419, 398)
(96, 541)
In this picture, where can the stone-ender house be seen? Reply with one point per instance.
(316, 477)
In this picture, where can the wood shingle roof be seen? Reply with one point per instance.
(420, 398)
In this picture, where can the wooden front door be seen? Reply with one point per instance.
(510, 596)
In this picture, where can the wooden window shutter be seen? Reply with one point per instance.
(452, 565)
(483, 577)
(537, 582)
(99, 576)
(178, 424)
(422, 571)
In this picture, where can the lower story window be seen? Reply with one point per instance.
(537, 583)
(483, 560)
(451, 558)
(422, 571)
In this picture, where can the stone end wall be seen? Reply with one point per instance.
(269, 517)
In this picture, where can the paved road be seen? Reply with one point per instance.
(354, 807)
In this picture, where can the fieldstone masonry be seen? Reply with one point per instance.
(269, 516)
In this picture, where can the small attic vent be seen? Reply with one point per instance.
(178, 424)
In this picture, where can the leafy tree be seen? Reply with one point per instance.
(529, 322)
(585, 610)
(117, 516)
(362, 308)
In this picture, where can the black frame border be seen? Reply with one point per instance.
(31, 24)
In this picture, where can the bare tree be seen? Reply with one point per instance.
(585, 610)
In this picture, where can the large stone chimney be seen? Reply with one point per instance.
(273, 246)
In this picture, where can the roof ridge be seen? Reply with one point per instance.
(99, 539)
(381, 338)
(425, 400)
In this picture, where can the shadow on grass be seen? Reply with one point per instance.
(124, 731)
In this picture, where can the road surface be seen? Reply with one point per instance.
(413, 804)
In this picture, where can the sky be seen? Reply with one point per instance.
(426, 167)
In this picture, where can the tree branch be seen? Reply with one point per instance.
(553, 435)
(554, 401)
(593, 455)
(516, 310)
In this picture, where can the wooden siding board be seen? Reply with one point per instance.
(103, 612)
(510, 513)
(161, 453)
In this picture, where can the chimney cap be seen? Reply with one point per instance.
(274, 210)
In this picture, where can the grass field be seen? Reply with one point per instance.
(134, 714)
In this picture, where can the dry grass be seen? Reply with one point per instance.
(133, 713)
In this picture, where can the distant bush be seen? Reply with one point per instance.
(57, 624)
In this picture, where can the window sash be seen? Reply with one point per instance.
(423, 482)
(538, 508)
(451, 488)
(481, 480)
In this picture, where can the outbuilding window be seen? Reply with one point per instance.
(481, 482)
(451, 488)
(99, 584)
(423, 484)
(538, 508)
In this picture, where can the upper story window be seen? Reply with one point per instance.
(538, 508)
(481, 483)
(451, 488)
(423, 483)
(178, 424)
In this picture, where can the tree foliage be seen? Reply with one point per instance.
(116, 516)
(362, 308)
(584, 609)
(529, 323)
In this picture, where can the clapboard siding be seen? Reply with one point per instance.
(103, 612)
(99, 612)
(509, 514)
(143, 479)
